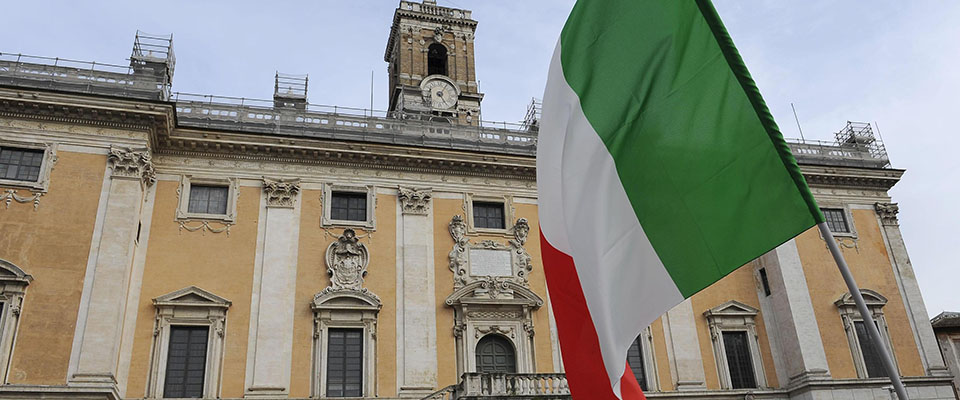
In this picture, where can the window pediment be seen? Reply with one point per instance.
(191, 296)
(331, 298)
(495, 291)
(12, 273)
(870, 297)
(731, 308)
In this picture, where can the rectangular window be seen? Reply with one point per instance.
(20, 164)
(488, 215)
(836, 220)
(186, 362)
(764, 281)
(208, 199)
(739, 360)
(348, 206)
(345, 363)
(635, 360)
(870, 351)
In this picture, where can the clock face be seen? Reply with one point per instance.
(442, 94)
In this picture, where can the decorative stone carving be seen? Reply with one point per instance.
(281, 193)
(415, 201)
(463, 250)
(128, 163)
(10, 195)
(888, 213)
(347, 260)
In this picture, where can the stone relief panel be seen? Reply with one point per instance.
(489, 260)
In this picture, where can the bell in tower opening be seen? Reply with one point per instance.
(431, 64)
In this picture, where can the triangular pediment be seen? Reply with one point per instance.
(11, 272)
(732, 308)
(192, 296)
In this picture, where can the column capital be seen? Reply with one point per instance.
(281, 193)
(129, 163)
(888, 213)
(415, 201)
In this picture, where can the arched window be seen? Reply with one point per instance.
(437, 59)
(495, 354)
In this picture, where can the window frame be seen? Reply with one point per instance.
(344, 309)
(645, 339)
(329, 189)
(849, 314)
(734, 316)
(190, 306)
(509, 213)
(183, 195)
(42, 184)
(13, 288)
(327, 354)
(847, 215)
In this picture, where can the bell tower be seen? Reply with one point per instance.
(431, 63)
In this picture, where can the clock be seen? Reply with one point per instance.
(440, 93)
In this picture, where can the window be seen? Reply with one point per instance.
(437, 59)
(13, 287)
(871, 352)
(345, 363)
(736, 349)
(188, 344)
(836, 220)
(348, 206)
(186, 362)
(20, 164)
(495, 355)
(488, 215)
(738, 360)
(863, 348)
(208, 199)
(764, 281)
(636, 362)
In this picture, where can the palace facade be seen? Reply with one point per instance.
(164, 245)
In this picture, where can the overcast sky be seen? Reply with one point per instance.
(892, 63)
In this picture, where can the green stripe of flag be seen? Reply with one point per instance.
(711, 179)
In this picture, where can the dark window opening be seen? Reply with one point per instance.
(739, 360)
(764, 281)
(348, 206)
(437, 59)
(186, 362)
(488, 215)
(870, 350)
(345, 363)
(208, 199)
(20, 164)
(495, 355)
(635, 360)
(836, 220)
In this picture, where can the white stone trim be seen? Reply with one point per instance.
(42, 184)
(686, 362)
(850, 314)
(649, 360)
(13, 287)
(190, 306)
(508, 212)
(183, 196)
(734, 316)
(345, 308)
(369, 224)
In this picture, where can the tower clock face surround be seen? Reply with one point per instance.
(440, 93)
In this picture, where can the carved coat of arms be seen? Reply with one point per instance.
(347, 261)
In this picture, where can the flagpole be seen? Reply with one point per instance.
(864, 312)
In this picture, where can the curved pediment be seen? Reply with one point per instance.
(331, 298)
(192, 296)
(731, 308)
(11, 272)
(870, 297)
(493, 290)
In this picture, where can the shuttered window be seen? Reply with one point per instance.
(20, 164)
(635, 359)
(488, 215)
(208, 199)
(870, 351)
(345, 363)
(348, 206)
(739, 360)
(186, 362)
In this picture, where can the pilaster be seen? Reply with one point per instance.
(416, 300)
(271, 320)
(101, 333)
(913, 300)
(683, 348)
(789, 318)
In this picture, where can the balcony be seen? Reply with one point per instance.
(477, 386)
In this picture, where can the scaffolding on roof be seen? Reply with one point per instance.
(531, 121)
(290, 90)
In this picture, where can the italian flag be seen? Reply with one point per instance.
(659, 170)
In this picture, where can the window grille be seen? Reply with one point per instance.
(345, 363)
(186, 362)
(348, 206)
(208, 199)
(836, 220)
(488, 215)
(20, 164)
(738, 360)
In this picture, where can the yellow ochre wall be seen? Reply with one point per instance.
(52, 244)
(871, 268)
(216, 262)
(444, 210)
(312, 277)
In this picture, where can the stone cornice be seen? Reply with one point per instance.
(848, 177)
